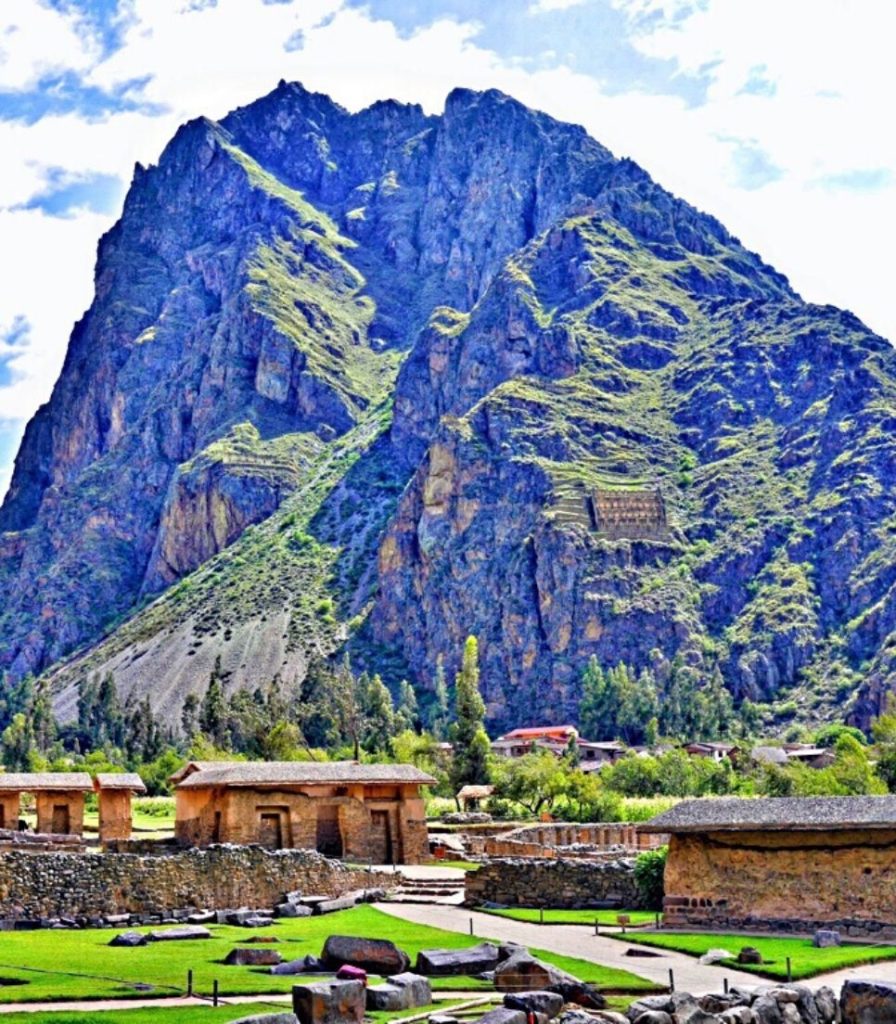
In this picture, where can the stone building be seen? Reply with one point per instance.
(59, 799)
(115, 792)
(364, 812)
(784, 863)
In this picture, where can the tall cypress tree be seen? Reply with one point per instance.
(471, 743)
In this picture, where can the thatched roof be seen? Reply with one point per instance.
(475, 792)
(120, 780)
(779, 814)
(31, 782)
(295, 773)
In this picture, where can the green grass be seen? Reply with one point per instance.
(189, 1014)
(806, 961)
(81, 965)
(586, 917)
(463, 865)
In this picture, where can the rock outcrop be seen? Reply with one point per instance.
(379, 380)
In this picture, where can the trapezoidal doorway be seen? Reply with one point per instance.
(61, 820)
(329, 835)
(273, 827)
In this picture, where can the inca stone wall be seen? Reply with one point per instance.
(783, 881)
(554, 883)
(36, 885)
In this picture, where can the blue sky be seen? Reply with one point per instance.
(773, 116)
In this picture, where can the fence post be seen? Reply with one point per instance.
(789, 972)
(215, 992)
(671, 980)
(190, 982)
(541, 915)
(596, 927)
(471, 925)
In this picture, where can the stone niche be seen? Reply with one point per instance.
(631, 514)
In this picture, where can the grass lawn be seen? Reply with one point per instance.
(806, 961)
(81, 965)
(192, 1014)
(636, 917)
(464, 865)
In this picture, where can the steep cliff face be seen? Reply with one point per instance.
(380, 380)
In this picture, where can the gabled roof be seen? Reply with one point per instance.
(32, 782)
(540, 730)
(769, 755)
(193, 766)
(119, 780)
(296, 773)
(779, 814)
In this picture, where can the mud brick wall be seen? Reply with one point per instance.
(783, 881)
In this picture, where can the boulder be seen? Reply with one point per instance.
(129, 939)
(180, 934)
(440, 963)
(824, 938)
(653, 1017)
(868, 1002)
(291, 910)
(253, 958)
(351, 973)
(826, 1005)
(306, 965)
(716, 1002)
(607, 1016)
(340, 903)
(714, 956)
(523, 972)
(574, 991)
(267, 1018)
(662, 1003)
(329, 1002)
(503, 1015)
(738, 1015)
(401, 992)
(692, 1014)
(539, 1001)
(790, 1014)
(749, 955)
(376, 956)
(209, 917)
(767, 1010)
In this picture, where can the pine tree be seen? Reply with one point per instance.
(439, 719)
(189, 715)
(408, 713)
(471, 743)
(379, 716)
(599, 706)
(213, 713)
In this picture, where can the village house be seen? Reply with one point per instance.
(115, 792)
(58, 797)
(363, 812)
(714, 751)
(519, 742)
(781, 864)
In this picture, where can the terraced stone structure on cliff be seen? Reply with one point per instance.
(344, 372)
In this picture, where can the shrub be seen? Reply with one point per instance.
(649, 869)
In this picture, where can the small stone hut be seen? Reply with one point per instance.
(365, 812)
(781, 863)
(115, 793)
(59, 797)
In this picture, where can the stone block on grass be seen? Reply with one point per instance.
(441, 963)
(253, 958)
(376, 956)
(129, 939)
(180, 934)
(329, 1002)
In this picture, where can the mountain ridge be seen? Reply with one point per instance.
(423, 313)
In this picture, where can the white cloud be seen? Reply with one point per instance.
(37, 40)
(823, 124)
(546, 6)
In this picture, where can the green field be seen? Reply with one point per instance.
(806, 961)
(63, 965)
(191, 1014)
(585, 917)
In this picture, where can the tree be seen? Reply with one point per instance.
(471, 743)
(189, 715)
(599, 705)
(347, 706)
(637, 702)
(378, 714)
(213, 712)
(17, 742)
(439, 718)
(650, 868)
(883, 731)
(535, 780)
(408, 713)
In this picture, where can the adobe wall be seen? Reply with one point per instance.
(35, 885)
(549, 840)
(793, 881)
(240, 810)
(566, 884)
(46, 800)
(115, 814)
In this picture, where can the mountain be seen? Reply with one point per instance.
(375, 381)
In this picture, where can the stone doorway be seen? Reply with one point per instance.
(61, 820)
(329, 835)
(381, 848)
(270, 830)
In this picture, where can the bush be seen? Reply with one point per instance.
(649, 869)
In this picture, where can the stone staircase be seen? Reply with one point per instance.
(448, 892)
